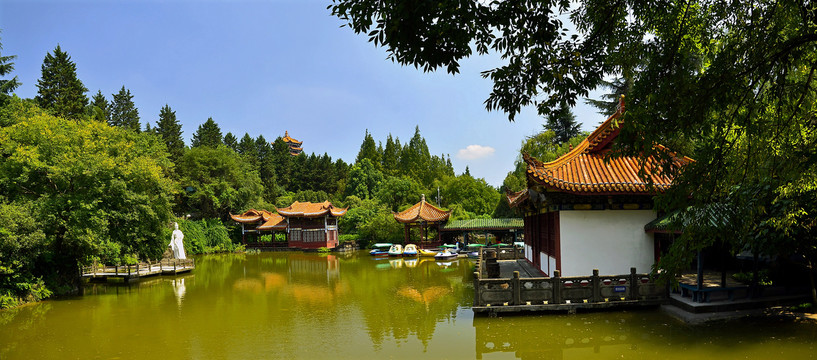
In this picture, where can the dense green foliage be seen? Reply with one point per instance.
(59, 90)
(99, 107)
(217, 182)
(90, 190)
(205, 236)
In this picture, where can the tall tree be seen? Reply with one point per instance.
(391, 156)
(368, 150)
(248, 148)
(123, 112)
(6, 67)
(231, 141)
(415, 159)
(99, 107)
(59, 90)
(208, 134)
(169, 128)
(563, 123)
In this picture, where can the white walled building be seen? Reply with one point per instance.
(587, 210)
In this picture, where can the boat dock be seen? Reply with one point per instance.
(127, 273)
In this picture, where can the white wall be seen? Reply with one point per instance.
(612, 241)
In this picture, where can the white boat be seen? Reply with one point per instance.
(446, 254)
(410, 250)
(396, 250)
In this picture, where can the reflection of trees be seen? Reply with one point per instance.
(406, 300)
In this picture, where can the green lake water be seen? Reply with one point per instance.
(307, 305)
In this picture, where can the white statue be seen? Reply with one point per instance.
(177, 243)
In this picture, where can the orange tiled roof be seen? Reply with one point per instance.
(270, 221)
(308, 209)
(422, 210)
(584, 170)
(290, 140)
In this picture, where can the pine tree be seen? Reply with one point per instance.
(247, 147)
(99, 107)
(415, 159)
(59, 90)
(208, 134)
(231, 141)
(563, 123)
(391, 156)
(6, 67)
(123, 112)
(169, 128)
(368, 150)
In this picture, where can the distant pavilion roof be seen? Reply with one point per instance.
(308, 209)
(422, 211)
(290, 140)
(584, 170)
(268, 220)
(484, 224)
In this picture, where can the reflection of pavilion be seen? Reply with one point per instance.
(310, 266)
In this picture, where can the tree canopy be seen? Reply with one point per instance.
(90, 190)
(170, 130)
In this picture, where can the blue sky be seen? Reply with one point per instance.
(265, 67)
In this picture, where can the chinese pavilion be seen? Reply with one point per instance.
(294, 145)
(255, 221)
(312, 225)
(587, 210)
(422, 214)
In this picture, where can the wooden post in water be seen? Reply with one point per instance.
(633, 284)
(556, 284)
(596, 286)
(517, 289)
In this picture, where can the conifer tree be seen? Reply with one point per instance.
(563, 123)
(59, 90)
(123, 112)
(169, 128)
(231, 141)
(368, 150)
(208, 134)
(247, 147)
(391, 156)
(6, 67)
(99, 107)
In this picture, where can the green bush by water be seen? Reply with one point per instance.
(206, 236)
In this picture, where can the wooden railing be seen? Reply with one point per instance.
(139, 269)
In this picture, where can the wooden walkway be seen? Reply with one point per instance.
(129, 272)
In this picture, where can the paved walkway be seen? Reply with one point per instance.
(526, 270)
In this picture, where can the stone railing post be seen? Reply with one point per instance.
(596, 286)
(633, 284)
(556, 284)
(517, 289)
(477, 297)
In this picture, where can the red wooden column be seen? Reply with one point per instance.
(406, 233)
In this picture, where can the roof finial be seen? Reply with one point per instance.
(620, 109)
(423, 199)
(286, 133)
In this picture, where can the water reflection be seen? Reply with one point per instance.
(296, 305)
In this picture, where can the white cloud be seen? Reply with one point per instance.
(473, 152)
